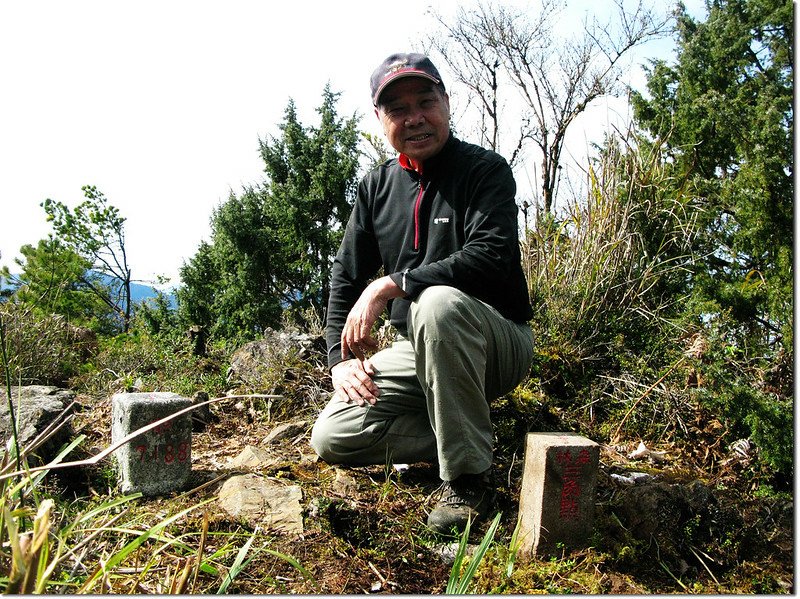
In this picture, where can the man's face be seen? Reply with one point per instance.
(415, 114)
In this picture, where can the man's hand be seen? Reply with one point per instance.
(352, 381)
(356, 337)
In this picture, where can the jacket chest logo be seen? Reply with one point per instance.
(441, 220)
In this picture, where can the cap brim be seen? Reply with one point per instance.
(395, 76)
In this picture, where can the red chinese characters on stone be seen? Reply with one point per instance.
(166, 453)
(162, 428)
(163, 452)
(569, 508)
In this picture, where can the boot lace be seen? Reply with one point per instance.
(456, 494)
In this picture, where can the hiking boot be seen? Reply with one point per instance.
(469, 497)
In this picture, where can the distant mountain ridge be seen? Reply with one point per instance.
(139, 292)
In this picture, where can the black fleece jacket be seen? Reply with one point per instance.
(455, 224)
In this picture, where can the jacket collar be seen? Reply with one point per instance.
(430, 166)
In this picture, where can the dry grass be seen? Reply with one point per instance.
(42, 350)
(606, 261)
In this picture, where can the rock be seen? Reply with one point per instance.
(344, 484)
(263, 503)
(250, 365)
(660, 511)
(32, 392)
(308, 457)
(285, 431)
(631, 478)
(448, 551)
(36, 407)
(253, 458)
(201, 417)
(261, 364)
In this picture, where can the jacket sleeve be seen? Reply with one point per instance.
(491, 244)
(356, 262)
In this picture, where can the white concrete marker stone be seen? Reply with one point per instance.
(556, 506)
(158, 461)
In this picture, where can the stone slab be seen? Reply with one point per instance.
(261, 502)
(36, 407)
(558, 492)
(159, 461)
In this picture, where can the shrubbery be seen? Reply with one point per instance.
(622, 349)
(42, 349)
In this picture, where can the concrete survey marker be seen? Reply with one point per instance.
(158, 461)
(556, 507)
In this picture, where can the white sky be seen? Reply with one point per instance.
(160, 104)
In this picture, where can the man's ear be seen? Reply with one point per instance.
(380, 120)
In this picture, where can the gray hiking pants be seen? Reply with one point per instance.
(435, 389)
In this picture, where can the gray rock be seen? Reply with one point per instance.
(36, 407)
(632, 478)
(261, 364)
(201, 417)
(448, 551)
(658, 513)
(344, 484)
(264, 503)
(285, 431)
(253, 458)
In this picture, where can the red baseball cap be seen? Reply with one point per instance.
(397, 66)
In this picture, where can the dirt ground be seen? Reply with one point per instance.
(694, 526)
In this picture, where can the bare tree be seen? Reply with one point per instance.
(95, 230)
(556, 78)
(475, 64)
